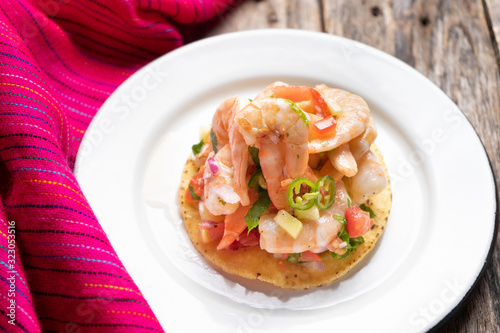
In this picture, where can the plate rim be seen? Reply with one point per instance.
(385, 56)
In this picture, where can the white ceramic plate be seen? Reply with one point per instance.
(438, 237)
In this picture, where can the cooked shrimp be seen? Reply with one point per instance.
(220, 122)
(309, 175)
(201, 158)
(316, 236)
(343, 160)
(282, 138)
(361, 144)
(272, 162)
(226, 132)
(369, 180)
(308, 98)
(329, 169)
(234, 224)
(341, 200)
(268, 91)
(219, 194)
(350, 124)
(205, 214)
(275, 118)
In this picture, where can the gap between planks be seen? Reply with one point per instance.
(491, 30)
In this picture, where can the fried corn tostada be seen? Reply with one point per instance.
(287, 188)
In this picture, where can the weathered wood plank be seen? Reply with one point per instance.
(247, 15)
(493, 8)
(449, 42)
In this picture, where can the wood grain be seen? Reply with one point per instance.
(453, 43)
(493, 10)
(247, 15)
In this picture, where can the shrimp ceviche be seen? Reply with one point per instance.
(287, 187)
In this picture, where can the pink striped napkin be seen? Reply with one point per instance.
(59, 61)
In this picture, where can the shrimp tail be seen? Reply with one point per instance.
(343, 160)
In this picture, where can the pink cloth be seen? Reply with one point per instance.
(59, 61)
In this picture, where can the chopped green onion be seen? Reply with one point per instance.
(367, 209)
(213, 138)
(254, 152)
(348, 202)
(193, 194)
(197, 147)
(326, 188)
(300, 201)
(341, 219)
(258, 208)
(298, 111)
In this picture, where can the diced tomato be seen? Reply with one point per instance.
(249, 239)
(358, 221)
(323, 129)
(211, 231)
(299, 94)
(244, 240)
(309, 256)
(319, 103)
(197, 184)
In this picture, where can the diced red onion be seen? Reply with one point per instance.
(342, 245)
(226, 193)
(213, 165)
(314, 265)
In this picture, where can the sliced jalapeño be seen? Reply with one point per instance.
(301, 194)
(326, 188)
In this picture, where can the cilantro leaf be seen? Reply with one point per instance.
(197, 147)
(352, 243)
(193, 193)
(258, 208)
(254, 152)
(367, 209)
(213, 138)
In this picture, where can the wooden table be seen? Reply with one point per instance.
(452, 42)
